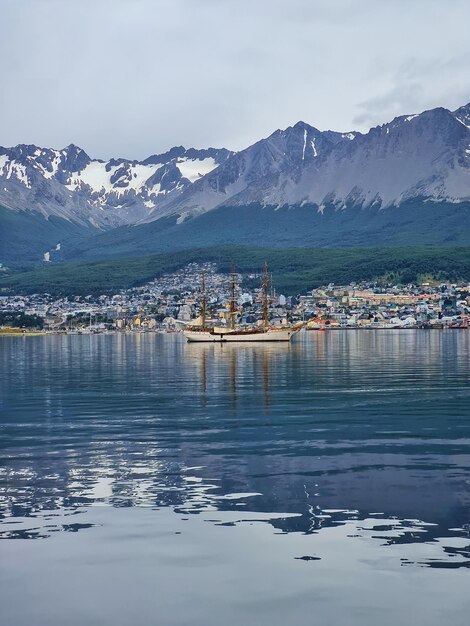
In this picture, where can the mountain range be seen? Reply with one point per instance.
(407, 181)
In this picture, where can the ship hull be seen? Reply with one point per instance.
(284, 334)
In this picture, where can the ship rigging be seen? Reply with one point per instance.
(202, 332)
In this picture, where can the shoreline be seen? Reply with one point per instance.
(163, 332)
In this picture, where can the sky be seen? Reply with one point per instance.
(130, 78)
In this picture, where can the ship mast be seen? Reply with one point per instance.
(233, 301)
(265, 296)
(203, 302)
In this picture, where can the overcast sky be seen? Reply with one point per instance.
(134, 77)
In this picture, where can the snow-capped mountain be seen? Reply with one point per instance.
(260, 169)
(423, 155)
(463, 115)
(298, 186)
(415, 156)
(68, 184)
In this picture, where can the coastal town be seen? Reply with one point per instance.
(171, 302)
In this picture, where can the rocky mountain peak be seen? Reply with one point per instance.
(463, 115)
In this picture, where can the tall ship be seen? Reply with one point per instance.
(202, 332)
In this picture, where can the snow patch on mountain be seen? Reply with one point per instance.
(193, 169)
(68, 184)
(100, 176)
(463, 115)
(14, 170)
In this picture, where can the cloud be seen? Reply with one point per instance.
(417, 85)
(132, 78)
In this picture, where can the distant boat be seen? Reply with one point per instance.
(315, 324)
(234, 333)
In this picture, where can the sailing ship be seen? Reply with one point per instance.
(231, 333)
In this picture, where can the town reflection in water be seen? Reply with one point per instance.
(362, 429)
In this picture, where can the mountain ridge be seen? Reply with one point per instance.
(69, 184)
(415, 167)
(428, 156)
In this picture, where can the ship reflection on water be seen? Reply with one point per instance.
(344, 442)
(253, 359)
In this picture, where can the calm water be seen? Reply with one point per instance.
(148, 481)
